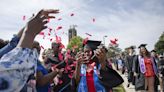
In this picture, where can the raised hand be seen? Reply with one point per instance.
(101, 54)
(38, 23)
(82, 58)
(35, 25)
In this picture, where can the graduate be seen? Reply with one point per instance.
(145, 70)
(92, 72)
(62, 83)
(161, 72)
(129, 63)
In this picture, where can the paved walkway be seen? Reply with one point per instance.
(124, 76)
(128, 89)
(131, 88)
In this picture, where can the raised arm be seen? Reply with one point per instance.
(78, 67)
(12, 44)
(34, 26)
(20, 63)
(108, 77)
(43, 80)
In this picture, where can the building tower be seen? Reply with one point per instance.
(72, 32)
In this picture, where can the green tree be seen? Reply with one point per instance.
(113, 50)
(75, 41)
(159, 46)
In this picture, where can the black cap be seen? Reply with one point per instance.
(153, 51)
(132, 47)
(142, 45)
(92, 44)
(161, 56)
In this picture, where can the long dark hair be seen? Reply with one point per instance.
(147, 52)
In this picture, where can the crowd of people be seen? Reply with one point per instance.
(84, 71)
(145, 71)
(87, 69)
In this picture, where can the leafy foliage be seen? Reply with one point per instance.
(159, 46)
(75, 42)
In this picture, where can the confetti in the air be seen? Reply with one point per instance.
(88, 34)
(51, 40)
(70, 76)
(49, 34)
(50, 29)
(41, 47)
(48, 19)
(85, 40)
(114, 41)
(60, 81)
(72, 14)
(93, 20)
(59, 27)
(24, 18)
(59, 18)
(41, 33)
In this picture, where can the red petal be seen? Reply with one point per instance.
(113, 42)
(51, 39)
(24, 17)
(60, 81)
(58, 39)
(68, 68)
(48, 19)
(59, 27)
(70, 76)
(72, 65)
(41, 47)
(88, 34)
(41, 33)
(50, 29)
(62, 46)
(85, 40)
(116, 39)
(93, 19)
(72, 71)
(72, 14)
(60, 56)
(59, 18)
(49, 34)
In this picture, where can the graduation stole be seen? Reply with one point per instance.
(82, 87)
(142, 64)
(154, 65)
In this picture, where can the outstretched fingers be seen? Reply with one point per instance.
(46, 12)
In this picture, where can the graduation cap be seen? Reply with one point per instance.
(92, 44)
(154, 51)
(161, 56)
(132, 47)
(142, 45)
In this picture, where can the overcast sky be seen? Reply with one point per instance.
(132, 22)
